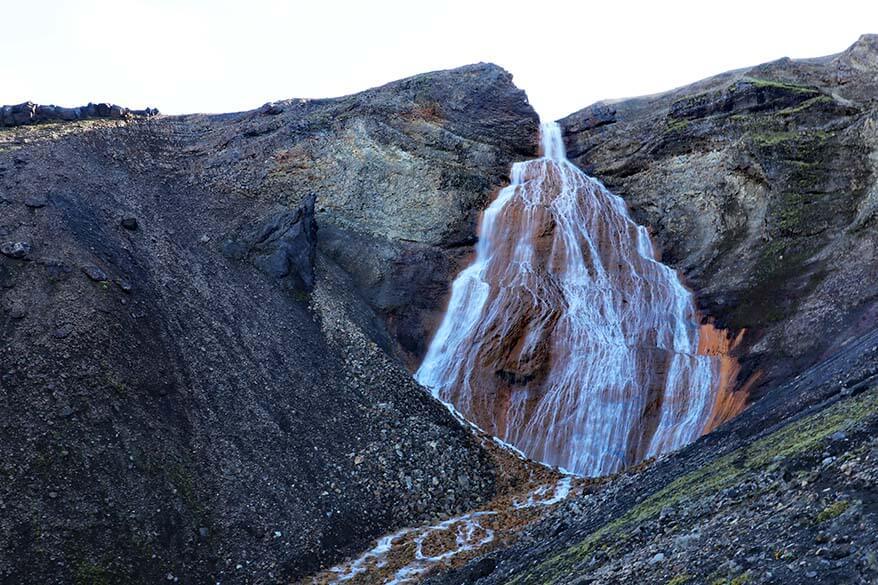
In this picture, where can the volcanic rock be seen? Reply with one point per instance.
(35, 201)
(31, 113)
(15, 250)
(95, 273)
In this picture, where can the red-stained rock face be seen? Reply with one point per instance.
(567, 338)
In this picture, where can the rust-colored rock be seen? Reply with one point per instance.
(567, 338)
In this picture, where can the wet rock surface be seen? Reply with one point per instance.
(174, 411)
(761, 186)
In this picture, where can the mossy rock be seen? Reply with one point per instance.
(832, 511)
(89, 573)
(791, 440)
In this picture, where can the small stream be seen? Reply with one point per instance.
(406, 555)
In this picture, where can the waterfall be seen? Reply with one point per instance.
(565, 336)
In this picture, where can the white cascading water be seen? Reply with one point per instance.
(565, 336)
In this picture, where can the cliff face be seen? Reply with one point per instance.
(401, 173)
(197, 375)
(761, 185)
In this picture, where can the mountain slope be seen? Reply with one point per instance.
(785, 493)
(197, 376)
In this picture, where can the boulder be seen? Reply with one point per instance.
(95, 273)
(17, 250)
(35, 201)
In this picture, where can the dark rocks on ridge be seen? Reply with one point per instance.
(31, 113)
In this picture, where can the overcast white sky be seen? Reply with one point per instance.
(228, 55)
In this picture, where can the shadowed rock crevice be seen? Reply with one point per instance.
(283, 246)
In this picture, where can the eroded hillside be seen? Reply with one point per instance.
(197, 382)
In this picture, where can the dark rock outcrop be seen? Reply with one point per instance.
(17, 250)
(283, 246)
(31, 113)
(762, 186)
(237, 416)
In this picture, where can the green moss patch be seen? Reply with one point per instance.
(676, 124)
(815, 101)
(771, 139)
(88, 573)
(832, 511)
(758, 82)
